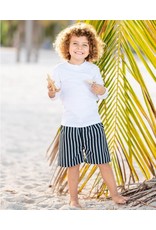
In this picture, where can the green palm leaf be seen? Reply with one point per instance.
(129, 119)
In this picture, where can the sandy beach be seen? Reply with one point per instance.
(29, 121)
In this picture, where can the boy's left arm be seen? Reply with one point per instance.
(99, 90)
(98, 87)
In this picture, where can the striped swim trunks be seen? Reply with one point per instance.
(87, 144)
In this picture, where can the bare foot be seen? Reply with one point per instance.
(75, 204)
(118, 199)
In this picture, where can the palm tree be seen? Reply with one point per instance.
(128, 114)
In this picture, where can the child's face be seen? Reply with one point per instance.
(78, 48)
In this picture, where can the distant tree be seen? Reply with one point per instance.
(8, 28)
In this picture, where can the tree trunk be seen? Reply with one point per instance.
(28, 38)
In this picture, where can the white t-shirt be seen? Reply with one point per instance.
(80, 106)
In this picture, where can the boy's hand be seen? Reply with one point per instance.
(51, 87)
(98, 89)
(51, 90)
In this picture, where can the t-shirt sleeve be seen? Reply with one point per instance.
(55, 76)
(98, 79)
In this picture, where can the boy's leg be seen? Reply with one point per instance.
(73, 180)
(109, 179)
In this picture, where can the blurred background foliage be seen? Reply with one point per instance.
(47, 28)
(8, 28)
(30, 36)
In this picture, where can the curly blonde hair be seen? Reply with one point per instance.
(96, 45)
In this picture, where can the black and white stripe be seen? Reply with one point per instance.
(86, 144)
